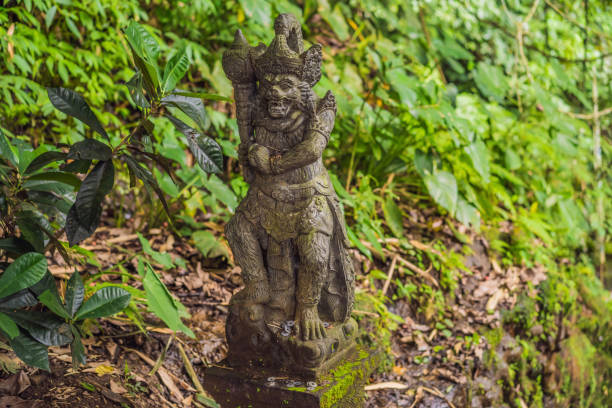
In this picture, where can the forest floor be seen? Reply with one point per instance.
(435, 365)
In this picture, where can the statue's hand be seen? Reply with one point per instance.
(259, 157)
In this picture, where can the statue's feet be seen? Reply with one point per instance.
(309, 324)
(254, 293)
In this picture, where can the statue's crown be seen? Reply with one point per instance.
(286, 55)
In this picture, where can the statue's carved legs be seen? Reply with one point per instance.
(313, 250)
(243, 238)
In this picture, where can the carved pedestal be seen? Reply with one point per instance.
(337, 387)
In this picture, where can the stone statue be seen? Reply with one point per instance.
(288, 234)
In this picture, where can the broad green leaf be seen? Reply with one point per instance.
(442, 187)
(467, 214)
(135, 87)
(46, 283)
(105, 302)
(30, 351)
(50, 299)
(393, 216)
(221, 191)
(59, 176)
(204, 240)
(192, 107)
(49, 16)
(24, 272)
(372, 238)
(14, 245)
(77, 349)
(403, 85)
(90, 149)
(202, 95)
(175, 70)
(357, 242)
(6, 150)
(8, 326)
(84, 216)
(44, 327)
(41, 161)
(337, 22)
(206, 151)
(491, 81)
(73, 104)
(164, 259)
(258, 10)
(145, 51)
(29, 224)
(145, 45)
(166, 183)
(77, 166)
(478, 153)
(423, 162)
(75, 293)
(21, 299)
(161, 302)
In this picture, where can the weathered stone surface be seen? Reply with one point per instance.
(340, 387)
(288, 234)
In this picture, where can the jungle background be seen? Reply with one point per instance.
(471, 153)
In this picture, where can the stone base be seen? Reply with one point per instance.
(340, 387)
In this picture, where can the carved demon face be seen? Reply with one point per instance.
(282, 94)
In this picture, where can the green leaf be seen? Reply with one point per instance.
(221, 191)
(75, 293)
(423, 162)
(77, 166)
(393, 216)
(8, 326)
(166, 183)
(21, 299)
(164, 259)
(41, 161)
(479, 155)
(24, 272)
(44, 327)
(105, 302)
(16, 246)
(90, 149)
(192, 107)
(337, 22)
(49, 16)
(442, 187)
(491, 81)
(257, 10)
(202, 95)
(206, 151)
(53, 302)
(145, 51)
(357, 242)
(84, 215)
(6, 150)
(30, 351)
(77, 349)
(135, 87)
(59, 176)
(29, 224)
(175, 70)
(73, 104)
(144, 44)
(467, 214)
(161, 302)
(204, 240)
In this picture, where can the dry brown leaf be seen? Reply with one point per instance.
(15, 384)
(389, 385)
(117, 388)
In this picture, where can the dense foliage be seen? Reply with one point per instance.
(498, 113)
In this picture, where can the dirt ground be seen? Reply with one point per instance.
(434, 366)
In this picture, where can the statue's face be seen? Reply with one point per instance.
(282, 94)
